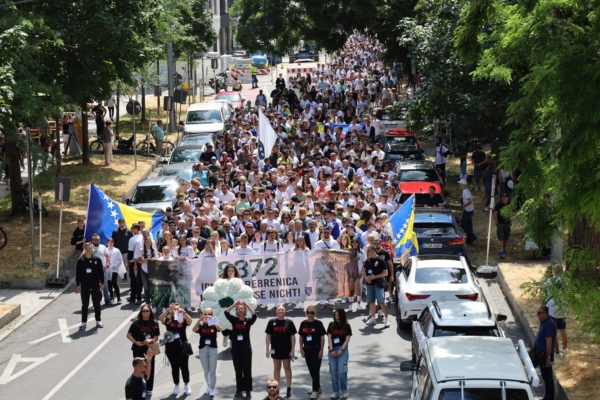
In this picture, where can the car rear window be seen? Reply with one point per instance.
(418, 176)
(434, 229)
(153, 194)
(482, 394)
(441, 275)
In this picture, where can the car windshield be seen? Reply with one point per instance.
(185, 174)
(435, 229)
(203, 117)
(153, 194)
(185, 155)
(482, 394)
(230, 97)
(465, 331)
(441, 275)
(418, 175)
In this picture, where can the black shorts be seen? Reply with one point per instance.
(503, 231)
(281, 354)
(561, 323)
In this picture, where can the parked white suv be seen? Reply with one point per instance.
(208, 117)
(454, 318)
(425, 278)
(467, 368)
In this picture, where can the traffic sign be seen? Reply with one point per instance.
(178, 78)
(130, 107)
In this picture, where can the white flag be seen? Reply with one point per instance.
(266, 136)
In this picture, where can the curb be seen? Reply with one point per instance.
(11, 316)
(527, 329)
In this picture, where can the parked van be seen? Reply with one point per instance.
(470, 367)
(205, 118)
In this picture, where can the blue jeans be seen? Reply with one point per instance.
(338, 369)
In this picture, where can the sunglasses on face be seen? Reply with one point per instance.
(310, 313)
(272, 387)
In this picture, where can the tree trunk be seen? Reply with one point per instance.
(584, 236)
(14, 174)
(85, 137)
(118, 111)
(143, 102)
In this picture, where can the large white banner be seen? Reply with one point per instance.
(274, 278)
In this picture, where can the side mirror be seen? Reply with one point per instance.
(128, 201)
(408, 366)
(501, 317)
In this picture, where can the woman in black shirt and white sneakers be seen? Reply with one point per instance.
(312, 340)
(281, 344)
(241, 349)
(176, 321)
(207, 327)
(339, 333)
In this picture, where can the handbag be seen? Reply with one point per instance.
(187, 348)
(155, 347)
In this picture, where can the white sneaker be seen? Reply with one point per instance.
(82, 326)
(175, 391)
(99, 324)
(379, 313)
(211, 392)
(187, 390)
(360, 307)
(372, 320)
(225, 341)
(386, 322)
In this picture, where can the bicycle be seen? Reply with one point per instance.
(3, 238)
(147, 147)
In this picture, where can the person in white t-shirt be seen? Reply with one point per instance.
(466, 221)
(327, 242)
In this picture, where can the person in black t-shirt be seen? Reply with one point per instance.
(339, 332)
(374, 273)
(176, 320)
(78, 238)
(434, 199)
(207, 327)
(142, 333)
(281, 345)
(89, 278)
(241, 350)
(135, 387)
(312, 340)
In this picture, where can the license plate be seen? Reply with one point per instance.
(432, 245)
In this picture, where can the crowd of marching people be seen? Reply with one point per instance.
(324, 185)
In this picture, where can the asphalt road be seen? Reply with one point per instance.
(41, 360)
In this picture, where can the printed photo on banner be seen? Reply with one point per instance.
(274, 278)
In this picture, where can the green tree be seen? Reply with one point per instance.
(97, 43)
(550, 49)
(475, 107)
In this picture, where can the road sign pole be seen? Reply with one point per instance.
(40, 210)
(30, 194)
(60, 198)
(134, 144)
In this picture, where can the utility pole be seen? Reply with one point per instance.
(170, 76)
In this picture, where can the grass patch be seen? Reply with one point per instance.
(115, 181)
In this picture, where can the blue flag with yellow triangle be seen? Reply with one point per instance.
(103, 216)
(405, 238)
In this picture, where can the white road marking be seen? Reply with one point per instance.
(89, 357)
(8, 376)
(64, 330)
(59, 332)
